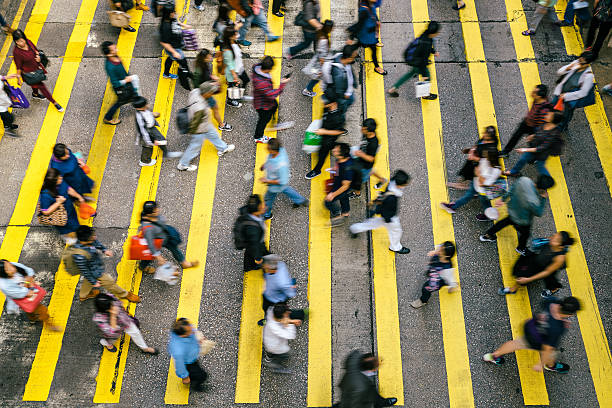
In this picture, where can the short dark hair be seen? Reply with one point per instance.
(253, 203)
(589, 56)
(279, 310)
(59, 150)
(566, 239)
(369, 124)
(348, 51)
(401, 178)
(274, 144)
(18, 35)
(180, 326)
(449, 248)
(541, 90)
(491, 132)
(368, 362)
(267, 63)
(544, 182)
(103, 302)
(105, 47)
(432, 28)
(557, 117)
(84, 233)
(345, 149)
(148, 207)
(570, 305)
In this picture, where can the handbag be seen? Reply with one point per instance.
(312, 141)
(16, 95)
(125, 92)
(312, 70)
(588, 100)
(497, 189)
(191, 40)
(139, 250)
(44, 61)
(119, 18)
(235, 92)
(34, 78)
(86, 211)
(29, 304)
(167, 273)
(205, 345)
(57, 218)
(422, 88)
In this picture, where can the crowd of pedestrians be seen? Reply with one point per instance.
(67, 188)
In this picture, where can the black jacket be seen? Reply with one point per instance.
(423, 50)
(255, 245)
(358, 390)
(388, 207)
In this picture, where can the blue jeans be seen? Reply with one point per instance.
(311, 84)
(270, 198)
(256, 20)
(529, 157)
(365, 175)
(197, 140)
(309, 37)
(469, 195)
(344, 104)
(583, 14)
(332, 206)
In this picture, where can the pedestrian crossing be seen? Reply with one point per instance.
(320, 388)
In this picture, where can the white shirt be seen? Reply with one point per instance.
(276, 336)
(490, 174)
(239, 65)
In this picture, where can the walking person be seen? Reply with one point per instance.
(536, 116)
(203, 73)
(278, 330)
(542, 333)
(575, 8)
(365, 155)
(543, 8)
(56, 193)
(148, 133)
(16, 283)
(543, 263)
(171, 39)
(250, 233)
(64, 161)
(488, 141)
(222, 22)
(310, 23)
(576, 87)
(184, 348)
(358, 384)
(332, 127)
(387, 205)
(200, 127)
(254, 14)
(127, 5)
(546, 140)
(439, 273)
(30, 65)
(235, 74)
(277, 178)
(85, 258)
(153, 227)
(366, 31)
(315, 65)
(338, 79)
(265, 95)
(340, 189)
(126, 87)
(5, 27)
(8, 119)
(113, 321)
(417, 56)
(526, 200)
(601, 23)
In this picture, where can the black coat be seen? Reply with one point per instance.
(358, 390)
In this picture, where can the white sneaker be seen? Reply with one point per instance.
(191, 167)
(311, 94)
(229, 148)
(263, 139)
(151, 163)
(282, 126)
(174, 155)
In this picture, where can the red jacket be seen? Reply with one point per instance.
(264, 94)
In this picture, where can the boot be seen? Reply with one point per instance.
(141, 6)
(92, 294)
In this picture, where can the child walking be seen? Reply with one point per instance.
(148, 133)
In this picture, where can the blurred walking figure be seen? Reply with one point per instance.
(57, 195)
(542, 333)
(113, 320)
(338, 79)
(235, 74)
(341, 186)
(322, 48)
(249, 233)
(203, 73)
(184, 348)
(358, 384)
(366, 31)
(600, 24)
(265, 95)
(310, 21)
(576, 8)
(387, 206)
(31, 67)
(279, 329)
(439, 273)
(543, 8)
(8, 119)
(488, 142)
(365, 155)
(171, 39)
(126, 87)
(17, 283)
(280, 286)
(64, 161)
(148, 133)
(254, 14)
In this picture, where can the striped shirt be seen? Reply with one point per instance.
(537, 114)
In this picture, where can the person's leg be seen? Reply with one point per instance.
(373, 49)
(521, 130)
(217, 115)
(541, 166)
(114, 108)
(568, 114)
(570, 11)
(538, 15)
(261, 22)
(523, 232)
(244, 79)
(484, 202)
(265, 116)
(168, 65)
(195, 145)
(410, 74)
(110, 284)
(425, 293)
(509, 347)
(265, 304)
(176, 252)
(245, 27)
(345, 205)
(269, 199)
(326, 147)
(394, 229)
(367, 225)
(498, 226)
(308, 39)
(552, 14)
(332, 206)
(276, 6)
(604, 29)
(467, 197)
(525, 158)
(294, 196)
(136, 335)
(311, 84)
(7, 119)
(86, 288)
(42, 88)
(146, 153)
(197, 374)
(212, 135)
(39, 314)
(552, 283)
(592, 31)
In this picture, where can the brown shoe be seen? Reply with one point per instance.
(142, 7)
(131, 297)
(113, 122)
(92, 294)
(149, 269)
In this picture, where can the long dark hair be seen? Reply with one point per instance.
(103, 303)
(18, 35)
(59, 151)
(223, 12)
(200, 61)
(227, 40)
(3, 273)
(50, 182)
(325, 32)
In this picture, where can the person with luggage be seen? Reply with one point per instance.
(542, 333)
(365, 155)
(57, 196)
(265, 95)
(543, 262)
(113, 321)
(322, 49)
(200, 127)
(254, 14)
(526, 200)
(85, 258)
(341, 185)
(30, 64)
(338, 79)
(439, 273)
(309, 19)
(126, 87)
(417, 56)
(601, 23)
(8, 119)
(235, 74)
(16, 283)
(280, 327)
(543, 8)
(158, 234)
(250, 233)
(365, 31)
(277, 178)
(171, 39)
(203, 73)
(64, 161)
(184, 348)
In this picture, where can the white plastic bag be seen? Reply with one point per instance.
(422, 88)
(312, 141)
(580, 5)
(313, 69)
(235, 92)
(167, 273)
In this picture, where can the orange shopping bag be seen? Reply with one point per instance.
(559, 106)
(86, 211)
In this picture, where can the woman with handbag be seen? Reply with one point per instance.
(322, 48)
(17, 282)
(71, 169)
(489, 140)
(113, 320)
(366, 31)
(57, 205)
(153, 227)
(30, 63)
(235, 74)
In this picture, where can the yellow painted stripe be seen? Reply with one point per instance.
(519, 308)
(319, 392)
(49, 346)
(249, 341)
(459, 377)
(9, 38)
(595, 114)
(197, 248)
(390, 374)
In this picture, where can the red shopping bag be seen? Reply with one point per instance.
(29, 304)
(559, 106)
(86, 211)
(139, 250)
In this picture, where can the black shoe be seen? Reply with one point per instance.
(402, 251)
(129, 29)
(13, 126)
(430, 97)
(38, 96)
(304, 204)
(278, 14)
(261, 322)
(354, 236)
(312, 174)
(390, 401)
(504, 155)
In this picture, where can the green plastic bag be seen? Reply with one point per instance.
(312, 141)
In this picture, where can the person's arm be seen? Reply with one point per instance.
(230, 63)
(309, 11)
(72, 193)
(253, 243)
(555, 265)
(59, 200)
(285, 330)
(538, 209)
(364, 156)
(328, 132)
(180, 368)
(345, 186)
(150, 238)
(584, 90)
(82, 263)
(566, 68)
(15, 291)
(170, 49)
(270, 92)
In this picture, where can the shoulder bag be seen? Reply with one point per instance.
(34, 78)
(57, 218)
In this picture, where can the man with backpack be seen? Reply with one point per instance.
(417, 56)
(84, 258)
(310, 21)
(249, 233)
(200, 127)
(542, 333)
(386, 205)
(339, 84)
(345, 178)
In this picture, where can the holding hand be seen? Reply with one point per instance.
(60, 199)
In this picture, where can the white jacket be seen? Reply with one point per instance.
(490, 174)
(276, 336)
(585, 82)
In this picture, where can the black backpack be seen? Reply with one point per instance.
(182, 120)
(240, 224)
(556, 147)
(409, 52)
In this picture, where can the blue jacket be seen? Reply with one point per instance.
(366, 26)
(184, 350)
(278, 285)
(277, 168)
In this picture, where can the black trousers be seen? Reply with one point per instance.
(524, 231)
(197, 375)
(372, 48)
(264, 117)
(7, 119)
(327, 144)
(522, 129)
(249, 262)
(276, 5)
(168, 64)
(602, 28)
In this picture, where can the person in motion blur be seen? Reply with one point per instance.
(184, 348)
